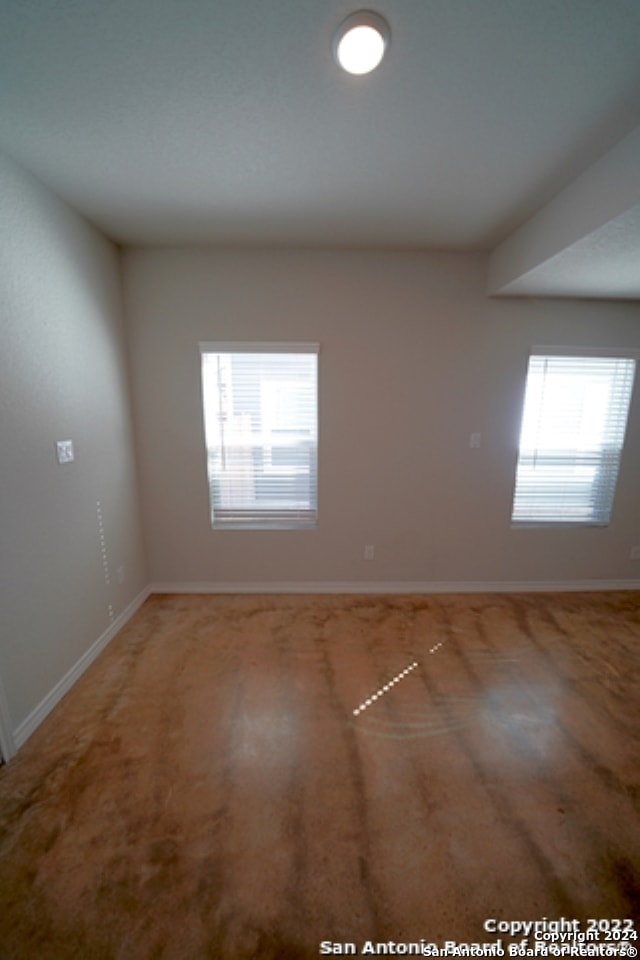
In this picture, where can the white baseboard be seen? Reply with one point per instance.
(24, 730)
(398, 587)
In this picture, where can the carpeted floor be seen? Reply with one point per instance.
(252, 777)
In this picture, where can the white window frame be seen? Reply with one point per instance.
(591, 507)
(242, 511)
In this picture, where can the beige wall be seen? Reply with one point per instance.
(414, 358)
(63, 375)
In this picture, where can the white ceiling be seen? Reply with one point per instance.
(608, 259)
(227, 121)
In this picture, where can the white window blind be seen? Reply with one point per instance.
(573, 427)
(260, 413)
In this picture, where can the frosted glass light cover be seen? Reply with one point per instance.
(360, 43)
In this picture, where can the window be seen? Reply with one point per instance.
(260, 415)
(573, 427)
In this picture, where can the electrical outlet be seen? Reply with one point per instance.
(64, 451)
(369, 552)
(635, 553)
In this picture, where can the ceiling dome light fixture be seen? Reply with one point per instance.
(360, 42)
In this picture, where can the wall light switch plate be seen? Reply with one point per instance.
(474, 440)
(635, 553)
(64, 451)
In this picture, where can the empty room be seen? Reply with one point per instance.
(319, 479)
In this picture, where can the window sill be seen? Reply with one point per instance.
(264, 526)
(556, 524)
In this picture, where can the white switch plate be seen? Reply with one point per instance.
(64, 451)
(369, 552)
(474, 440)
(635, 553)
